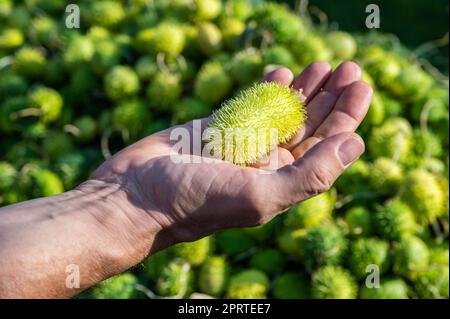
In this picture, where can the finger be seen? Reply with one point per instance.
(275, 159)
(315, 172)
(312, 79)
(323, 102)
(281, 75)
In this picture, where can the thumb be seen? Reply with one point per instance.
(317, 170)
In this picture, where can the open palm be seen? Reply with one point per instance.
(191, 200)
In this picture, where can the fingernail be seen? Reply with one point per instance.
(350, 150)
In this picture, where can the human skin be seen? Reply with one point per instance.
(139, 201)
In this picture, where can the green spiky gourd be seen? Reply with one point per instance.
(382, 66)
(121, 82)
(424, 195)
(122, 286)
(368, 251)
(12, 84)
(290, 241)
(410, 258)
(131, 115)
(213, 276)
(209, 38)
(323, 245)
(234, 241)
(29, 62)
(56, 144)
(310, 49)
(311, 212)
(278, 55)
(359, 221)
(146, 68)
(433, 105)
(394, 220)
(8, 175)
(154, 264)
(232, 29)
(44, 30)
(87, 129)
(291, 285)
(246, 66)
(354, 178)
(395, 288)
(439, 254)
(386, 176)
(212, 83)
(189, 109)
(107, 55)
(283, 25)
(46, 183)
(392, 107)
(333, 282)
(270, 261)
(207, 9)
(434, 283)
(10, 38)
(48, 102)
(70, 168)
(79, 50)
(268, 107)
(176, 279)
(195, 252)
(411, 84)
(167, 38)
(342, 44)
(375, 115)
(105, 13)
(165, 90)
(248, 284)
(393, 139)
(426, 144)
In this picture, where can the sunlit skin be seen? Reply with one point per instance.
(139, 201)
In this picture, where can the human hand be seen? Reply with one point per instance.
(176, 202)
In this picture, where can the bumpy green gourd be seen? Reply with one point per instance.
(311, 212)
(44, 30)
(10, 38)
(146, 68)
(56, 144)
(433, 105)
(323, 245)
(342, 44)
(394, 220)
(86, 128)
(246, 66)
(386, 176)
(290, 241)
(209, 38)
(248, 284)
(46, 183)
(212, 83)
(207, 9)
(48, 102)
(122, 286)
(283, 25)
(189, 109)
(154, 264)
(411, 84)
(439, 254)
(375, 115)
(389, 289)
(213, 276)
(232, 29)
(107, 55)
(434, 283)
(359, 221)
(164, 91)
(193, 252)
(426, 144)
(424, 195)
(393, 139)
(131, 115)
(79, 50)
(176, 279)
(167, 38)
(410, 258)
(12, 84)
(267, 107)
(354, 179)
(368, 251)
(270, 261)
(8, 175)
(105, 13)
(278, 55)
(332, 282)
(310, 49)
(121, 82)
(291, 285)
(383, 67)
(29, 62)
(234, 241)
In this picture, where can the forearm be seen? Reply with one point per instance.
(91, 229)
